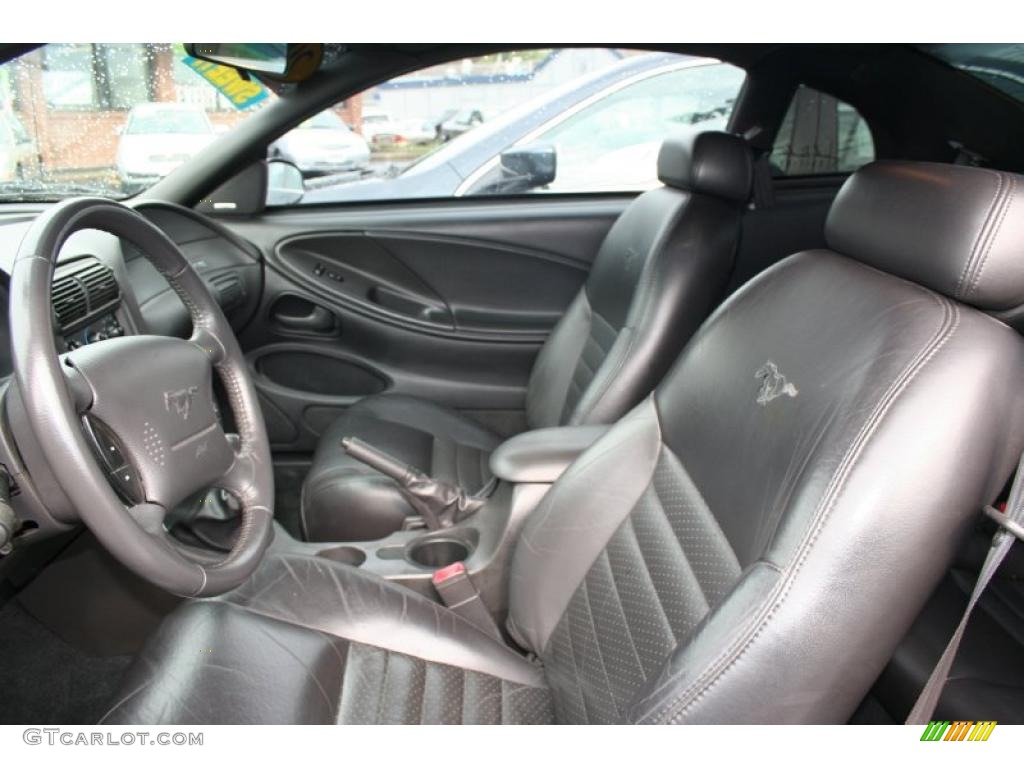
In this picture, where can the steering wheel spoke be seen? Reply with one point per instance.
(79, 389)
(150, 518)
(243, 476)
(209, 343)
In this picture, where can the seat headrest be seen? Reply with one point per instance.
(955, 229)
(711, 163)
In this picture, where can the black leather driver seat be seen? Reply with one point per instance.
(660, 270)
(748, 544)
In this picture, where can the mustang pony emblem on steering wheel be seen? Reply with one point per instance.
(181, 400)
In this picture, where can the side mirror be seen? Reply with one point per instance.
(528, 167)
(284, 183)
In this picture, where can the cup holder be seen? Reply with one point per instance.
(437, 552)
(347, 555)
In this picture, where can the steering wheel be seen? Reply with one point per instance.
(139, 411)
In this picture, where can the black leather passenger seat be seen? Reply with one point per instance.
(659, 272)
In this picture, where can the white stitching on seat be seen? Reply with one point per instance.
(972, 257)
(1007, 202)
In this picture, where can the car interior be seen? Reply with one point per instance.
(728, 449)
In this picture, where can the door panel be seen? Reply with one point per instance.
(449, 301)
(440, 284)
(354, 270)
(491, 288)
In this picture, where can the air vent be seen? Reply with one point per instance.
(83, 289)
(69, 301)
(100, 285)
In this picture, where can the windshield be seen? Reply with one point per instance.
(82, 113)
(168, 121)
(326, 120)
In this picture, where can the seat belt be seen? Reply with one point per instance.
(1011, 528)
(763, 187)
(459, 594)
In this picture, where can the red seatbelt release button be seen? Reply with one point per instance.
(457, 592)
(449, 572)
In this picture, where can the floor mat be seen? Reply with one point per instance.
(43, 680)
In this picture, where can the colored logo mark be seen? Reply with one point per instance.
(958, 730)
(240, 92)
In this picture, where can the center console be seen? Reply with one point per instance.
(524, 467)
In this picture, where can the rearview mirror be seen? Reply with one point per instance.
(528, 167)
(285, 62)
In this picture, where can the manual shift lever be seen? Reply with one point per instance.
(440, 503)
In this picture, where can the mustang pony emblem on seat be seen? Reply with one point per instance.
(773, 384)
(180, 400)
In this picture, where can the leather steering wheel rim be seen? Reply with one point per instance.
(60, 391)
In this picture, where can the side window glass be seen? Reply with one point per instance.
(540, 121)
(821, 135)
(612, 142)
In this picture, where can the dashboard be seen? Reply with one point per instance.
(104, 288)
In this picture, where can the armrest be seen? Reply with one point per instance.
(542, 455)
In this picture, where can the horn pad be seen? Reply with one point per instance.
(152, 412)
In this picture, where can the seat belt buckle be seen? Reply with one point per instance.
(1006, 522)
(460, 595)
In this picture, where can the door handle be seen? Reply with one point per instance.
(319, 320)
(410, 306)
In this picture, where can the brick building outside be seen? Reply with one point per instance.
(74, 99)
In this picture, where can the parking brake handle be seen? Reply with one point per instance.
(440, 503)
